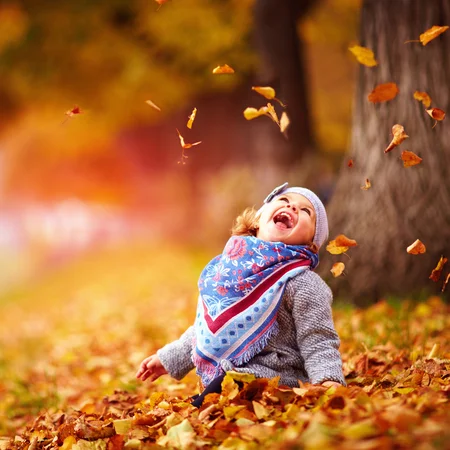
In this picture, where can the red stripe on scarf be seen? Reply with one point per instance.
(250, 298)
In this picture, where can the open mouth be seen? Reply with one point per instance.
(283, 219)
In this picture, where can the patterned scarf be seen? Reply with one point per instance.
(240, 293)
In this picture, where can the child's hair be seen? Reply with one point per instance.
(246, 224)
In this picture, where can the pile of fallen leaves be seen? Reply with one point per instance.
(69, 355)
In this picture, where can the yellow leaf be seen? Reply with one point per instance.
(223, 69)
(436, 272)
(252, 113)
(149, 102)
(230, 411)
(186, 145)
(68, 443)
(265, 91)
(273, 113)
(431, 34)
(447, 279)
(410, 159)
(122, 426)
(423, 97)
(340, 244)
(337, 269)
(383, 93)
(404, 390)
(284, 122)
(260, 411)
(364, 55)
(416, 248)
(360, 430)
(367, 185)
(399, 136)
(191, 118)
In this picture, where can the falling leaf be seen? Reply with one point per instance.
(337, 268)
(410, 159)
(149, 102)
(367, 185)
(160, 2)
(436, 272)
(252, 113)
(267, 92)
(423, 97)
(350, 163)
(399, 136)
(71, 113)
(383, 93)
(191, 118)
(184, 147)
(273, 113)
(364, 55)
(437, 114)
(446, 282)
(223, 69)
(431, 34)
(416, 248)
(340, 244)
(284, 122)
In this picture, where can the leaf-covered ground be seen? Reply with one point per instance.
(70, 344)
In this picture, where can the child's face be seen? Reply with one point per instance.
(289, 218)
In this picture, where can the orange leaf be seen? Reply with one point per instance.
(416, 248)
(284, 122)
(447, 279)
(252, 113)
(436, 113)
(431, 34)
(223, 69)
(340, 245)
(266, 91)
(423, 97)
(410, 159)
(350, 163)
(185, 145)
(364, 55)
(337, 269)
(73, 112)
(367, 185)
(160, 2)
(436, 272)
(399, 136)
(191, 118)
(149, 102)
(383, 93)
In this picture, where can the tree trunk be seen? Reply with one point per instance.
(403, 204)
(284, 68)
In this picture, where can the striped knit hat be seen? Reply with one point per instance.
(321, 234)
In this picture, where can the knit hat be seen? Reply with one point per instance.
(321, 234)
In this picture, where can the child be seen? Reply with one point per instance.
(261, 308)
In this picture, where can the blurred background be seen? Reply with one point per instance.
(114, 174)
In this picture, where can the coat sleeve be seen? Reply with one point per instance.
(316, 336)
(176, 357)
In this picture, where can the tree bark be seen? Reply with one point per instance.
(403, 204)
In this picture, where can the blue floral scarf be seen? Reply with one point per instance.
(240, 293)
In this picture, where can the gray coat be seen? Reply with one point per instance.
(306, 348)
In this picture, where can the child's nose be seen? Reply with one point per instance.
(294, 208)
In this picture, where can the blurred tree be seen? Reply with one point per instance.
(404, 204)
(284, 66)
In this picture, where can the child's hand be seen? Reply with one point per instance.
(331, 384)
(151, 368)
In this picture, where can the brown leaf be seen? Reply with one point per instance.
(423, 97)
(410, 159)
(337, 269)
(364, 55)
(350, 163)
(383, 93)
(432, 33)
(399, 136)
(436, 272)
(416, 248)
(225, 69)
(437, 114)
(367, 185)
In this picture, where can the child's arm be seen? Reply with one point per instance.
(317, 339)
(173, 359)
